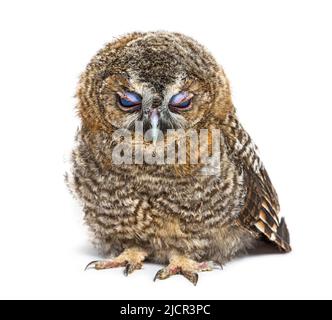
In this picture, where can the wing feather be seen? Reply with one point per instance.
(261, 208)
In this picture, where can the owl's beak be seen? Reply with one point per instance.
(154, 120)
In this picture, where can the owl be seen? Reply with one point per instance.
(137, 99)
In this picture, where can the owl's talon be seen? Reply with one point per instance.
(191, 276)
(126, 270)
(89, 265)
(163, 274)
(158, 275)
(131, 267)
(105, 264)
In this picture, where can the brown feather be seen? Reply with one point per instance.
(261, 208)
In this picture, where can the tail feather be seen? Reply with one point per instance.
(283, 231)
(279, 236)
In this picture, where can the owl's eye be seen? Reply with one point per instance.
(181, 101)
(129, 100)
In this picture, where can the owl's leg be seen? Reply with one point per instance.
(132, 259)
(187, 267)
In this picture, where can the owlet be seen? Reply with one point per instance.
(163, 168)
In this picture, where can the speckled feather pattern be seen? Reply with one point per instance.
(166, 209)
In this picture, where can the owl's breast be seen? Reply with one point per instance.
(145, 206)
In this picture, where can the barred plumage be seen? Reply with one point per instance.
(164, 212)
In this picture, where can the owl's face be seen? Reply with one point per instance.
(165, 80)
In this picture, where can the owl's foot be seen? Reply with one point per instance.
(186, 267)
(131, 259)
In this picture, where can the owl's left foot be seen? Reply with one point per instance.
(186, 267)
(131, 259)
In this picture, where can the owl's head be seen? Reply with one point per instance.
(166, 80)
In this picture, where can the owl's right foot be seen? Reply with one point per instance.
(185, 267)
(131, 259)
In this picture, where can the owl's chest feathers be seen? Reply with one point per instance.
(130, 202)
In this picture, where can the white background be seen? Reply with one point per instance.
(277, 55)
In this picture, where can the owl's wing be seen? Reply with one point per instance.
(261, 207)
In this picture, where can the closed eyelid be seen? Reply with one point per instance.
(130, 96)
(180, 98)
